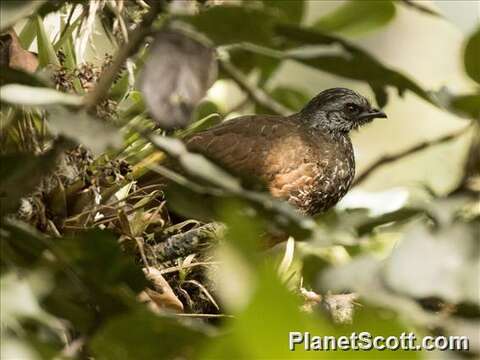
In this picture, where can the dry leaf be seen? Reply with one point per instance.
(163, 295)
(14, 56)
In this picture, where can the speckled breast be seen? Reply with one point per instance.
(333, 176)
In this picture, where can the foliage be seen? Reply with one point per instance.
(82, 226)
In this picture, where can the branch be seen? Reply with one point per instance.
(257, 95)
(128, 49)
(420, 8)
(419, 147)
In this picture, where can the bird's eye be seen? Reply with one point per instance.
(353, 108)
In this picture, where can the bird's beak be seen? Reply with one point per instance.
(372, 114)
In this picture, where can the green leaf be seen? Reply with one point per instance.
(121, 87)
(286, 10)
(402, 214)
(356, 17)
(292, 98)
(226, 25)
(21, 244)
(14, 76)
(246, 61)
(349, 61)
(46, 52)
(472, 56)
(280, 314)
(205, 109)
(467, 105)
(28, 33)
(94, 133)
(13, 10)
(21, 173)
(98, 256)
(202, 124)
(67, 34)
(36, 96)
(233, 24)
(190, 204)
(94, 279)
(142, 334)
(450, 271)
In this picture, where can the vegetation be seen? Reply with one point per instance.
(95, 264)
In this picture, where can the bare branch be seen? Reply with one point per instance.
(421, 8)
(257, 95)
(419, 147)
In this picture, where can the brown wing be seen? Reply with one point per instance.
(275, 149)
(242, 144)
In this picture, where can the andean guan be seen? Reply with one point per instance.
(306, 158)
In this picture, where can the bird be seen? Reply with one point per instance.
(306, 159)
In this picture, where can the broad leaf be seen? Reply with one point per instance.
(28, 33)
(95, 134)
(94, 279)
(21, 244)
(87, 252)
(36, 96)
(247, 61)
(450, 271)
(286, 10)
(13, 10)
(177, 74)
(22, 173)
(349, 61)
(46, 52)
(356, 17)
(468, 105)
(292, 98)
(465, 105)
(233, 24)
(472, 56)
(143, 335)
(280, 315)
(14, 76)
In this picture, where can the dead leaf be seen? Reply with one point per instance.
(14, 56)
(163, 295)
(177, 74)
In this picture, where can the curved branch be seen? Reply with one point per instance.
(419, 147)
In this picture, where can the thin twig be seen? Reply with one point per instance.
(205, 315)
(181, 267)
(256, 94)
(421, 8)
(419, 147)
(136, 38)
(111, 205)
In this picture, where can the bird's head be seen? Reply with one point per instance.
(339, 110)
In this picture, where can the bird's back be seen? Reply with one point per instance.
(305, 166)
